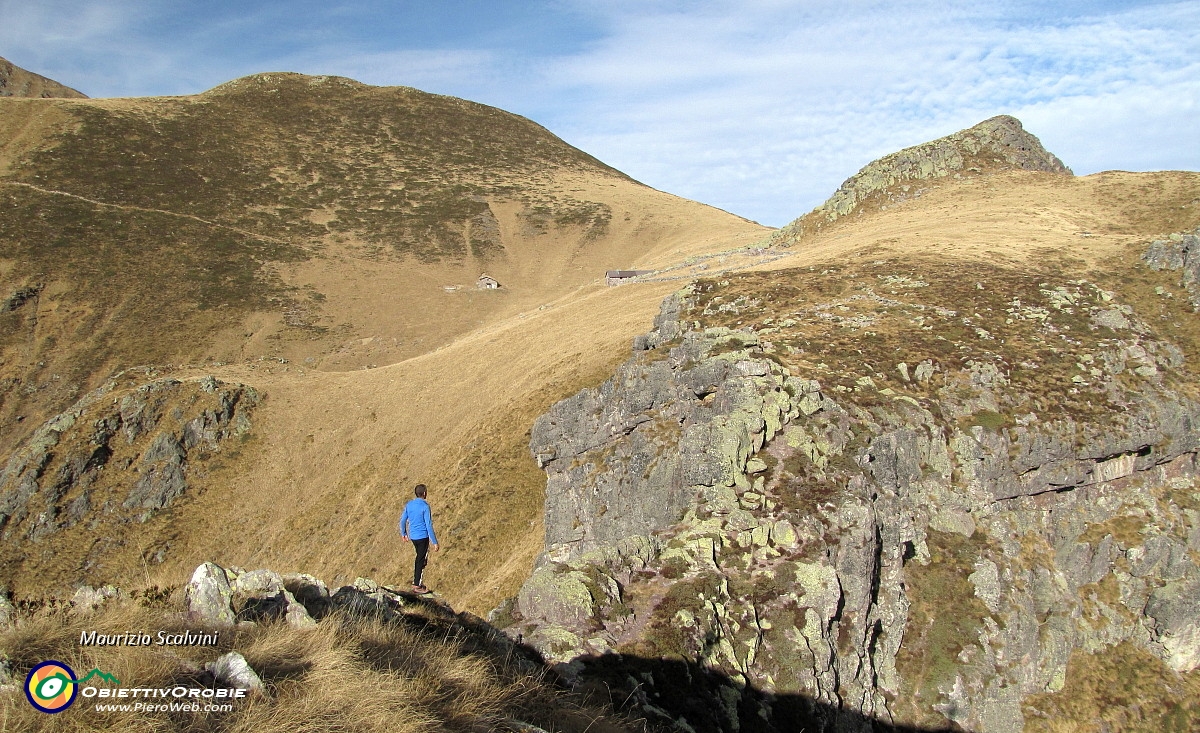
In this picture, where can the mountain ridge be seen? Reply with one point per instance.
(343, 258)
(250, 200)
(938, 467)
(17, 82)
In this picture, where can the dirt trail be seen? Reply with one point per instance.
(124, 207)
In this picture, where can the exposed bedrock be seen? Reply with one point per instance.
(917, 561)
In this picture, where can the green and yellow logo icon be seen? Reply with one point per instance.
(51, 687)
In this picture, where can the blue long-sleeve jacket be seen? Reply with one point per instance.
(418, 520)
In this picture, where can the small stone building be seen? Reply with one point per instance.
(616, 277)
(486, 282)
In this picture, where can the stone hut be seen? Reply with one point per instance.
(486, 282)
(616, 277)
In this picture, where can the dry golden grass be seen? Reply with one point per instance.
(320, 228)
(361, 673)
(1125, 689)
(335, 454)
(337, 446)
(460, 376)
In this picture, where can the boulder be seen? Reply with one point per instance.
(233, 670)
(561, 598)
(208, 596)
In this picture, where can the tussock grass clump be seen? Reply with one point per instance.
(428, 670)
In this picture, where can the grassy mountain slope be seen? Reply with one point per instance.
(282, 216)
(296, 231)
(17, 82)
(461, 375)
(342, 449)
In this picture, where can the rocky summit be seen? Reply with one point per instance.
(997, 144)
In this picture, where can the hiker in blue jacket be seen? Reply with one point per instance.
(416, 524)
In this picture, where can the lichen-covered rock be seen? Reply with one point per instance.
(561, 598)
(932, 551)
(258, 582)
(208, 596)
(682, 422)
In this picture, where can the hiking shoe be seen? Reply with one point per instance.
(420, 590)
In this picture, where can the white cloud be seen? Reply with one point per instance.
(764, 109)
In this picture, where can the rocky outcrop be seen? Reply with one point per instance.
(17, 82)
(996, 144)
(1181, 252)
(405, 656)
(223, 596)
(152, 431)
(677, 429)
(122, 454)
(920, 548)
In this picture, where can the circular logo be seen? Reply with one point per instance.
(51, 687)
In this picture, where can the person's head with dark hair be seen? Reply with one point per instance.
(419, 491)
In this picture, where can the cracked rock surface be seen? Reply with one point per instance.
(811, 489)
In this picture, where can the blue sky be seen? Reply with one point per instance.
(759, 107)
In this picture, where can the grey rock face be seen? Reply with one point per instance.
(50, 483)
(1180, 252)
(1175, 608)
(816, 547)
(681, 420)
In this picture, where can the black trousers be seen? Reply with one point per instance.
(422, 547)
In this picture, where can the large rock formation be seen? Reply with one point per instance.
(997, 144)
(858, 504)
(121, 454)
(17, 82)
